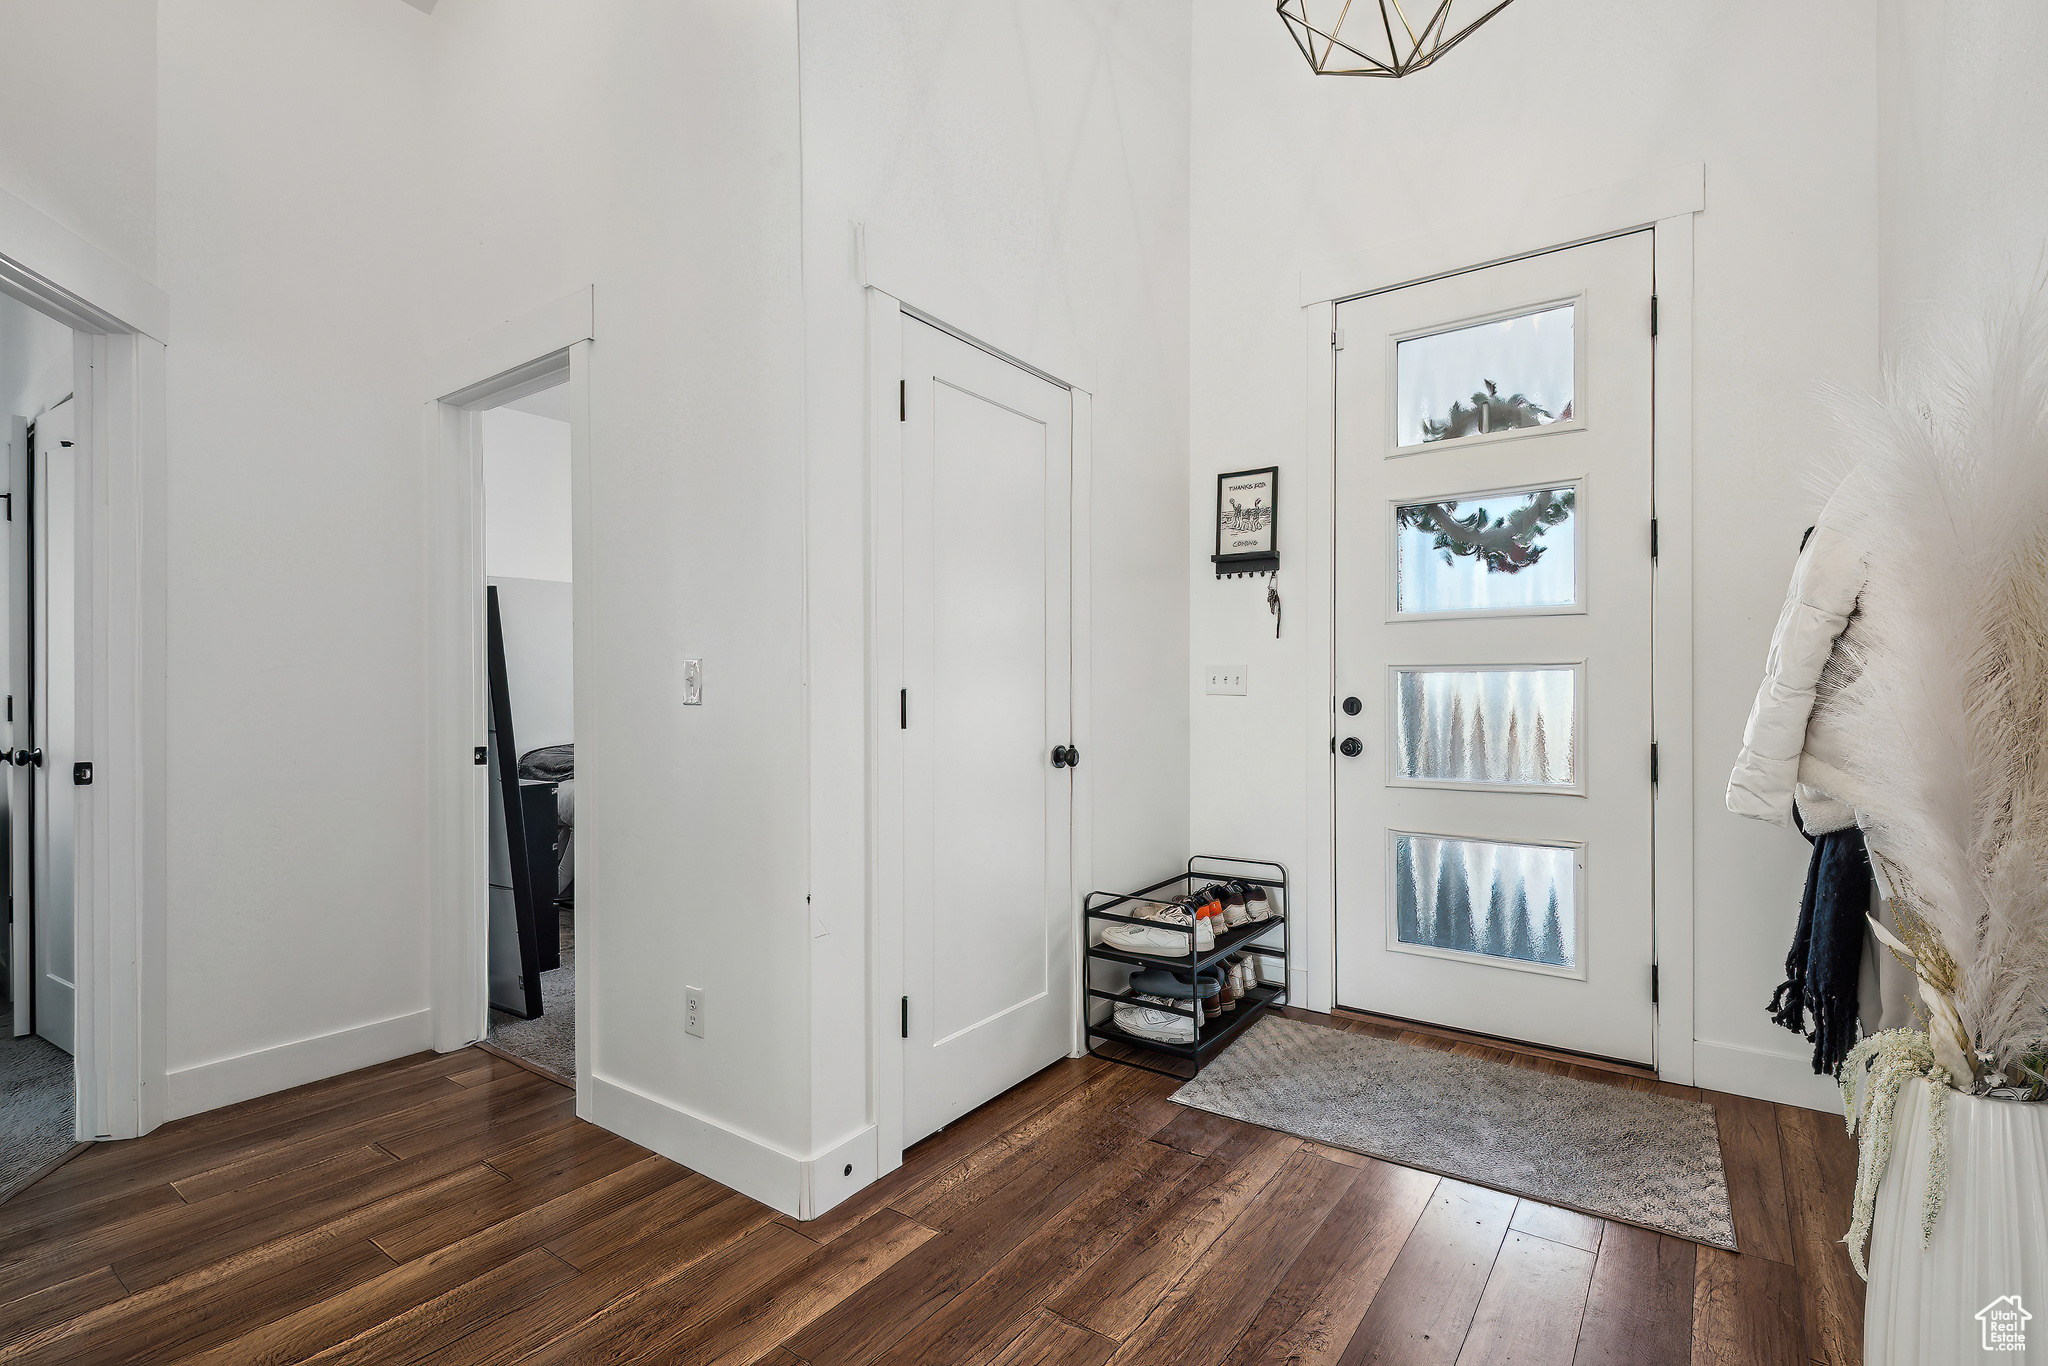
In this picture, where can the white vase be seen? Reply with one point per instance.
(1990, 1247)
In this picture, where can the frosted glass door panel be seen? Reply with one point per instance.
(1499, 552)
(1506, 375)
(1515, 902)
(1500, 728)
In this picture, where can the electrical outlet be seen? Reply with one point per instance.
(693, 1011)
(693, 682)
(1226, 680)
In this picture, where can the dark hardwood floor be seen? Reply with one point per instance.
(452, 1210)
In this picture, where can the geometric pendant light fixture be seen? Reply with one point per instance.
(1379, 37)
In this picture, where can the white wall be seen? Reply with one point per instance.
(651, 149)
(527, 532)
(1291, 169)
(290, 245)
(1022, 166)
(78, 112)
(1963, 165)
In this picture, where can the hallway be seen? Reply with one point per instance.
(451, 1209)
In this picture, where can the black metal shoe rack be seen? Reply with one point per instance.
(1211, 1036)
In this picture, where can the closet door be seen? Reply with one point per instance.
(53, 714)
(988, 914)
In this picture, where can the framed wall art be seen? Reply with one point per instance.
(1248, 522)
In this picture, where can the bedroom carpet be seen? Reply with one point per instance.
(550, 1040)
(1632, 1156)
(36, 1098)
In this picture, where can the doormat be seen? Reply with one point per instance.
(1631, 1156)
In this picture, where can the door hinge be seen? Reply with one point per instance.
(1337, 339)
(8, 499)
(1653, 315)
(1653, 984)
(1653, 764)
(1653, 540)
(903, 709)
(903, 400)
(10, 708)
(906, 1017)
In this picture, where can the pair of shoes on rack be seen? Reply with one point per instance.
(1240, 975)
(1233, 905)
(1166, 932)
(1258, 907)
(1153, 1017)
(1215, 992)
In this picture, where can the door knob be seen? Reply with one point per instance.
(1352, 747)
(1065, 756)
(23, 757)
(1352, 706)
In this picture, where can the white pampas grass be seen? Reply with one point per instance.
(1947, 692)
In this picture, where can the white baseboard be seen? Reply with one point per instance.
(210, 1085)
(746, 1164)
(833, 1176)
(1783, 1077)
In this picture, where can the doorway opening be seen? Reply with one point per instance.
(529, 685)
(38, 808)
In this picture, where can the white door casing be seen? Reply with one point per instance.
(53, 731)
(988, 923)
(20, 827)
(1445, 811)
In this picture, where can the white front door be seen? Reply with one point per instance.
(988, 917)
(1493, 618)
(53, 739)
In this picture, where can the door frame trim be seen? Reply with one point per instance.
(121, 323)
(1664, 204)
(534, 351)
(885, 314)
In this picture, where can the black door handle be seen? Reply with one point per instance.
(1352, 747)
(23, 757)
(1065, 756)
(1352, 706)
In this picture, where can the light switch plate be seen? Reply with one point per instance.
(693, 1011)
(693, 682)
(1226, 680)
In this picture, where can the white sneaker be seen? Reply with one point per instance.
(1167, 935)
(1148, 1021)
(1259, 906)
(1235, 912)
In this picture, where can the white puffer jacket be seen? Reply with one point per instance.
(1792, 750)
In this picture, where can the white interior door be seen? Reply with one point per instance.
(20, 824)
(52, 720)
(1493, 651)
(988, 925)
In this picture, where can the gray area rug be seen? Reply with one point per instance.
(550, 1040)
(37, 1095)
(1604, 1150)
